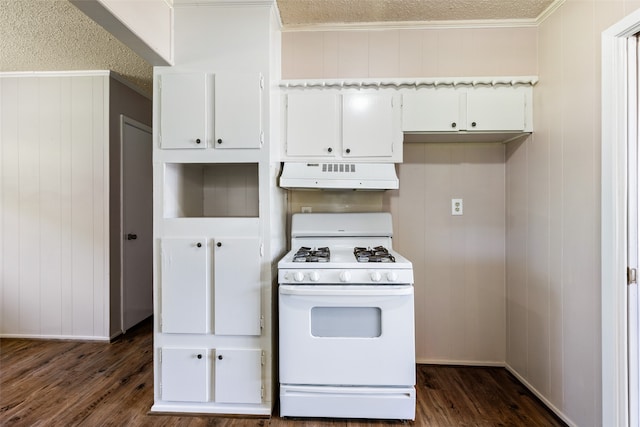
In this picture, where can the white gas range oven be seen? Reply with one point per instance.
(346, 320)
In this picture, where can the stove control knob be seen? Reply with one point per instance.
(314, 276)
(345, 276)
(376, 276)
(392, 276)
(298, 276)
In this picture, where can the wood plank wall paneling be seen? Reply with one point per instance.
(458, 261)
(54, 203)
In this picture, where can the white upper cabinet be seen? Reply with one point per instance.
(183, 110)
(494, 110)
(238, 115)
(342, 126)
(313, 124)
(469, 110)
(370, 126)
(437, 110)
(205, 110)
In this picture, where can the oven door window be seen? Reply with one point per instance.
(346, 322)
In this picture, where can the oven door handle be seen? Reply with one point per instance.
(355, 290)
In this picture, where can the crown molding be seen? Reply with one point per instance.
(414, 25)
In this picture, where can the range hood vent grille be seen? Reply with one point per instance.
(339, 176)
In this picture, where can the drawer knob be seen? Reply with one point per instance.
(219, 140)
(329, 149)
(219, 244)
(453, 124)
(473, 124)
(219, 357)
(199, 356)
(348, 150)
(198, 141)
(199, 244)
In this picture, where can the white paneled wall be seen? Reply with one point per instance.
(54, 188)
(459, 261)
(60, 202)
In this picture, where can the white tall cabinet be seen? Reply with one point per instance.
(219, 215)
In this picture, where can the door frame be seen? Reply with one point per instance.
(615, 136)
(125, 120)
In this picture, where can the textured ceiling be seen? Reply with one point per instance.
(53, 35)
(312, 12)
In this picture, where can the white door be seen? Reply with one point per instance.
(237, 286)
(368, 125)
(238, 111)
(313, 125)
(495, 109)
(238, 376)
(184, 286)
(346, 335)
(184, 374)
(431, 110)
(183, 110)
(137, 230)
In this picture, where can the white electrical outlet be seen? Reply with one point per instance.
(456, 206)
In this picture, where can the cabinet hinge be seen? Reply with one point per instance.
(261, 81)
(261, 321)
(631, 276)
(261, 250)
(261, 137)
(263, 358)
(262, 392)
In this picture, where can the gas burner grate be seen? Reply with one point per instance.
(306, 254)
(377, 254)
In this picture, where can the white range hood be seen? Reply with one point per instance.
(339, 176)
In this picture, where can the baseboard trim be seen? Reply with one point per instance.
(56, 337)
(540, 396)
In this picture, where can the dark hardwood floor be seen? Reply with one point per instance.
(61, 383)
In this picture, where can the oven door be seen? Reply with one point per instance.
(347, 335)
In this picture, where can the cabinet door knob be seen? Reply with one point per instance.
(348, 150)
(199, 356)
(219, 357)
(199, 244)
(198, 141)
(219, 244)
(219, 140)
(453, 124)
(132, 236)
(329, 149)
(473, 124)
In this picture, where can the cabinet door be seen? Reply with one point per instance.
(183, 110)
(431, 110)
(368, 125)
(238, 112)
(313, 125)
(237, 286)
(183, 374)
(238, 376)
(495, 110)
(184, 286)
